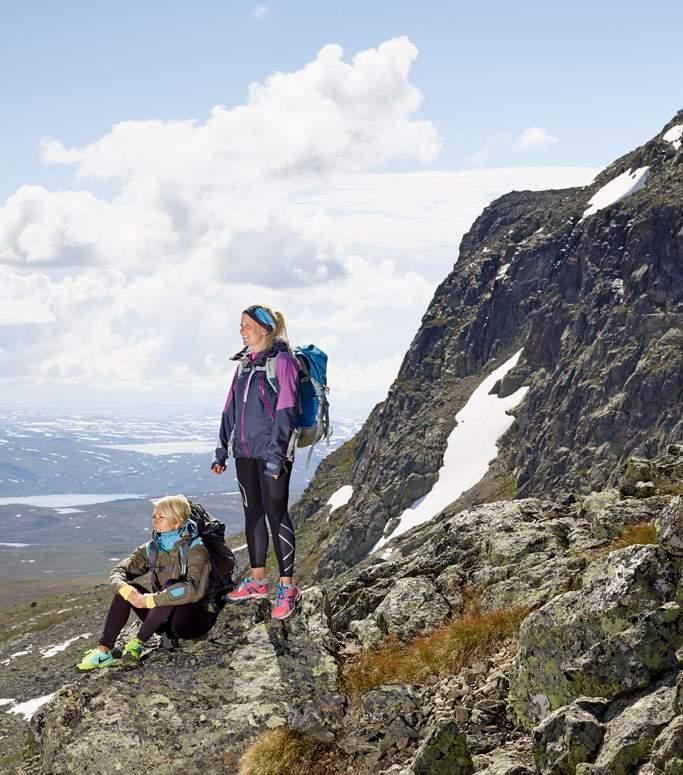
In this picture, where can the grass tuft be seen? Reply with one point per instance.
(283, 751)
(443, 651)
(639, 533)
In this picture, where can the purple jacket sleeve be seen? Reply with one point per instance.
(227, 424)
(287, 373)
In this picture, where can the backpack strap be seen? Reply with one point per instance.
(152, 557)
(184, 554)
(271, 376)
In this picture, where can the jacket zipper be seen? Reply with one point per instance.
(264, 398)
(244, 410)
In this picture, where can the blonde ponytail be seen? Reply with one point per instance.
(280, 331)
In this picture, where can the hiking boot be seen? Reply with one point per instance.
(249, 589)
(285, 601)
(132, 651)
(95, 658)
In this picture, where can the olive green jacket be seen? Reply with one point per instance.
(168, 567)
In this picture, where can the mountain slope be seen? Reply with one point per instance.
(593, 296)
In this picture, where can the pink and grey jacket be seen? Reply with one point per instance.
(259, 420)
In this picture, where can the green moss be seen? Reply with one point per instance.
(671, 489)
(13, 758)
(508, 488)
(347, 453)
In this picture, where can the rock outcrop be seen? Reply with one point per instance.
(200, 706)
(592, 684)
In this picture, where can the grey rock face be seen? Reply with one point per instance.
(630, 735)
(411, 607)
(443, 752)
(596, 305)
(670, 527)
(246, 677)
(587, 642)
(569, 736)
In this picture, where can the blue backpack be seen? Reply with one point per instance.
(313, 418)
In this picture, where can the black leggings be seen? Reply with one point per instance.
(263, 496)
(179, 621)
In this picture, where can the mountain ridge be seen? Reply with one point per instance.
(596, 305)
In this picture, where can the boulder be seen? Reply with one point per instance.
(669, 744)
(670, 527)
(443, 751)
(387, 714)
(630, 735)
(567, 737)
(564, 636)
(413, 606)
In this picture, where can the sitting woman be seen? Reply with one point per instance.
(179, 567)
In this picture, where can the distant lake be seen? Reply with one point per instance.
(63, 501)
(166, 447)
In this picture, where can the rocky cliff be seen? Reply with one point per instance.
(594, 300)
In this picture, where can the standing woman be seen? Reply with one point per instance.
(259, 422)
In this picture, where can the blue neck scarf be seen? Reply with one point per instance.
(168, 539)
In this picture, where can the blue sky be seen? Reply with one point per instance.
(602, 77)
(338, 191)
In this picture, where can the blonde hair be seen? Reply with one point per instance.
(176, 508)
(279, 333)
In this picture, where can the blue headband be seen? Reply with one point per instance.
(262, 317)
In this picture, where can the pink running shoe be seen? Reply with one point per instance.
(285, 601)
(249, 589)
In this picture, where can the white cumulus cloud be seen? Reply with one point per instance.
(536, 137)
(260, 12)
(277, 200)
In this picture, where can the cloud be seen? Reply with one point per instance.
(260, 12)
(329, 116)
(374, 377)
(535, 137)
(278, 200)
(492, 145)
(531, 139)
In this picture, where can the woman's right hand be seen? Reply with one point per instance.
(217, 468)
(136, 599)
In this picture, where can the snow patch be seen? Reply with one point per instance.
(20, 653)
(618, 188)
(674, 136)
(6, 702)
(502, 271)
(28, 708)
(50, 651)
(341, 497)
(190, 447)
(471, 447)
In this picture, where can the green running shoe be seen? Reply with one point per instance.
(95, 658)
(132, 651)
